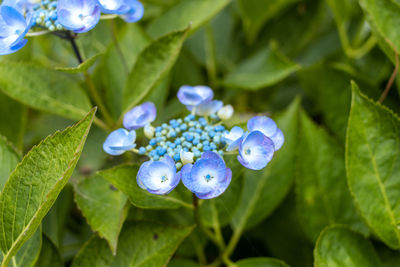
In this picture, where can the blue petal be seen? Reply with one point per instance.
(233, 139)
(114, 6)
(278, 138)
(78, 16)
(135, 13)
(221, 187)
(206, 108)
(13, 18)
(256, 151)
(140, 116)
(119, 141)
(142, 168)
(152, 177)
(263, 124)
(193, 96)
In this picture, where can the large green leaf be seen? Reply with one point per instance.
(141, 244)
(84, 66)
(151, 66)
(373, 165)
(49, 255)
(103, 207)
(322, 194)
(265, 68)
(264, 190)
(8, 160)
(338, 246)
(44, 89)
(256, 13)
(35, 184)
(124, 178)
(195, 12)
(261, 262)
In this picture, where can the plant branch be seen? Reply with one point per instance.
(118, 47)
(392, 77)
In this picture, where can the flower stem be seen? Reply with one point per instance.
(118, 47)
(393, 76)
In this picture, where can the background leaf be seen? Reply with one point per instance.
(8, 160)
(44, 89)
(339, 246)
(35, 184)
(49, 255)
(261, 262)
(373, 165)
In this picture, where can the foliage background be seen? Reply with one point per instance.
(330, 197)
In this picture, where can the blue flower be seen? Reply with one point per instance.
(255, 150)
(78, 15)
(158, 177)
(192, 96)
(114, 6)
(208, 177)
(268, 127)
(233, 138)
(23, 6)
(206, 108)
(135, 12)
(13, 28)
(140, 116)
(119, 141)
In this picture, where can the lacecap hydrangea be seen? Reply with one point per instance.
(19, 18)
(191, 149)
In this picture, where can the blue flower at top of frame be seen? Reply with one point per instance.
(140, 116)
(233, 138)
(135, 12)
(255, 150)
(158, 177)
(192, 96)
(13, 28)
(207, 108)
(114, 6)
(208, 177)
(119, 141)
(269, 128)
(23, 6)
(78, 15)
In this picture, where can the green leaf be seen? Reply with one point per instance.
(124, 178)
(44, 89)
(322, 195)
(195, 12)
(103, 207)
(81, 67)
(12, 124)
(265, 68)
(255, 13)
(49, 255)
(341, 247)
(29, 253)
(384, 18)
(141, 244)
(373, 165)
(9, 158)
(261, 262)
(264, 190)
(35, 184)
(151, 66)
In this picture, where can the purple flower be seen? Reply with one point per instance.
(255, 150)
(78, 15)
(119, 141)
(140, 116)
(192, 96)
(233, 138)
(208, 177)
(268, 127)
(135, 12)
(158, 177)
(13, 28)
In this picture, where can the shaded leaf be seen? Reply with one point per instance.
(124, 178)
(373, 165)
(323, 197)
(44, 89)
(262, 191)
(195, 13)
(49, 255)
(341, 247)
(140, 244)
(151, 66)
(35, 184)
(261, 262)
(82, 67)
(265, 68)
(103, 207)
(9, 158)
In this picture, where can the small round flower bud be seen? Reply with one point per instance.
(226, 112)
(186, 157)
(149, 131)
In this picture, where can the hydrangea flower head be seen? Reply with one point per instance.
(196, 144)
(13, 28)
(78, 15)
(119, 141)
(140, 116)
